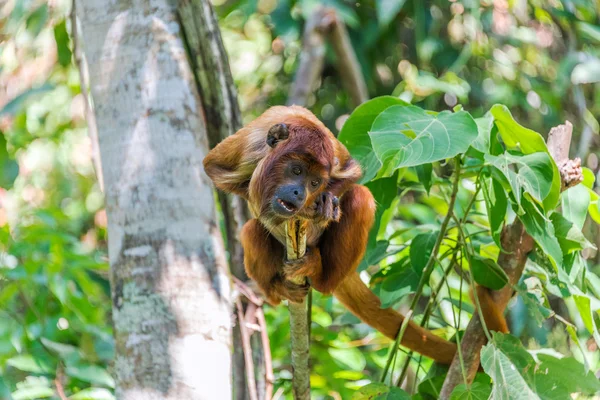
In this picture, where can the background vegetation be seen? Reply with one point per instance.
(539, 58)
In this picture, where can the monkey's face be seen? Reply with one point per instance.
(300, 182)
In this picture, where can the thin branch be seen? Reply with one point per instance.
(516, 245)
(312, 56)
(299, 330)
(247, 351)
(269, 376)
(84, 84)
(347, 62)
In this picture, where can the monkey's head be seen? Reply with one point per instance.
(281, 162)
(296, 169)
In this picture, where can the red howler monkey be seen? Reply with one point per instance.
(286, 163)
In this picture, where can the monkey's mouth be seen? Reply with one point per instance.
(283, 207)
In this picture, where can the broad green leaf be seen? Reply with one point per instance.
(9, 168)
(387, 10)
(517, 137)
(379, 391)
(355, 133)
(420, 250)
(62, 43)
(91, 373)
(496, 203)
(484, 131)
(575, 203)
(351, 357)
(567, 373)
(424, 173)
(508, 382)
(384, 191)
(568, 234)
(533, 176)
(32, 393)
(487, 272)
(27, 363)
(477, 391)
(541, 230)
(585, 311)
(588, 177)
(406, 136)
(93, 394)
(397, 285)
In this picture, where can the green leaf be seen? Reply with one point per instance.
(62, 43)
(496, 203)
(351, 358)
(93, 394)
(565, 374)
(27, 363)
(32, 393)
(355, 133)
(569, 236)
(397, 285)
(379, 391)
(585, 310)
(477, 391)
(37, 20)
(9, 168)
(534, 174)
(484, 131)
(406, 136)
(16, 104)
(91, 373)
(424, 174)
(387, 10)
(420, 250)
(541, 230)
(517, 137)
(575, 203)
(508, 382)
(384, 192)
(487, 272)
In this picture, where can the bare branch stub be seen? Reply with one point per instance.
(516, 245)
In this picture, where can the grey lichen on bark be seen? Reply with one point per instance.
(169, 278)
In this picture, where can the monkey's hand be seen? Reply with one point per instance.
(283, 289)
(308, 266)
(327, 208)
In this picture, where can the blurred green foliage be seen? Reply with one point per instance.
(539, 58)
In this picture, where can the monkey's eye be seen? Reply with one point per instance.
(315, 182)
(296, 170)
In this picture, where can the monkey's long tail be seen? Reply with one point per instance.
(363, 303)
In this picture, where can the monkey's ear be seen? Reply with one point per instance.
(277, 133)
(230, 164)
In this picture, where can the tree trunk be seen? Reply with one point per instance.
(170, 287)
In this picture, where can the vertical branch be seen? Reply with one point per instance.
(312, 57)
(347, 63)
(299, 329)
(84, 85)
(516, 245)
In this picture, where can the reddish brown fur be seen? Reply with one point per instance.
(494, 318)
(245, 165)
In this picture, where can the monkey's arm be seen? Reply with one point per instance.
(343, 243)
(263, 259)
